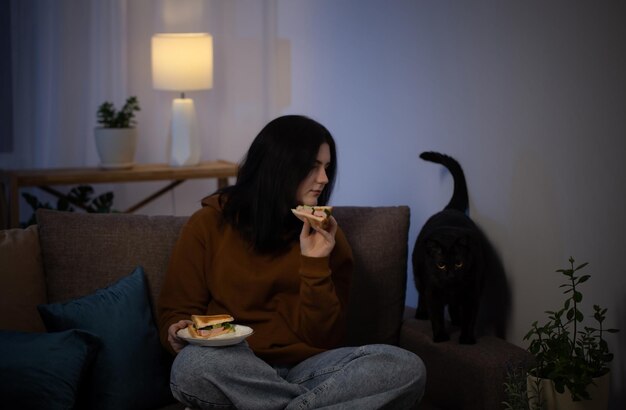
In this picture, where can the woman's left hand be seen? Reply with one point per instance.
(172, 335)
(316, 242)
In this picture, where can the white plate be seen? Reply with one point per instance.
(241, 332)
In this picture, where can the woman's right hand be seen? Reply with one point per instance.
(176, 342)
(317, 242)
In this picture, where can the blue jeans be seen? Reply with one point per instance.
(366, 377)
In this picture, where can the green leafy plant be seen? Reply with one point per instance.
(515, 389)
(79, 197)
(566, 351)
(108, 117)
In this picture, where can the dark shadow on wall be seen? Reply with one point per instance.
(495, 304)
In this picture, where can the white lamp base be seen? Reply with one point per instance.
(184, 145)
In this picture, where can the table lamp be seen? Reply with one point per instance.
(182, 62)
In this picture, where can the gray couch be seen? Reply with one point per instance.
(77, 254)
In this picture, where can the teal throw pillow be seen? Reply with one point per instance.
(44, 370)
(131, 370)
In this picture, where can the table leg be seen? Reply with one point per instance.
(222, 183)
(14, 204)
(154, 196)
(4, 207)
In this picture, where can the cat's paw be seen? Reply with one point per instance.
(467, 340)
(441, 337)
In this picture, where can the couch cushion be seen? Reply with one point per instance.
(22, 285)
(131, 370)
(378, 237)
(83, 252)
(43, 370)
(475, 373)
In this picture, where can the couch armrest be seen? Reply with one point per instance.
(462, 376)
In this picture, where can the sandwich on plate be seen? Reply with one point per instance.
(208, 326)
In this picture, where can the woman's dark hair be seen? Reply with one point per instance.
(280, 157)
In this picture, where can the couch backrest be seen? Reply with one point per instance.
(83, 252)
(379, 240)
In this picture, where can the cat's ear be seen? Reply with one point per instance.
(433, 248)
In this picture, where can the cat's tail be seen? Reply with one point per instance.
(459, 200)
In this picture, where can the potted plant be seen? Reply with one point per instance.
(116, 135)
(572, 358)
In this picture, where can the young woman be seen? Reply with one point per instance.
(245, 254)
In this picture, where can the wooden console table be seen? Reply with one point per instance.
(12, 181)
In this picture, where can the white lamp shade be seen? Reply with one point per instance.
(182, 61)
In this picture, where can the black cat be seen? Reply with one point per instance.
(449, 262)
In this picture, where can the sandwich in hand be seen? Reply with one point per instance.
(208, 326)
(317, 215)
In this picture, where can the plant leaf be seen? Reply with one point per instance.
(578, 296)
(579, 316)
(582, 265)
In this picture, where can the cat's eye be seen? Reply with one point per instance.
(441, 266)
(458, 265)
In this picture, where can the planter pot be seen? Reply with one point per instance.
(553, 400)
(116, 146)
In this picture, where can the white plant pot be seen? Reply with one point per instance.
(553, 400)
(116, 146)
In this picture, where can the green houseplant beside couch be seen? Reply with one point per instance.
(88, 259)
